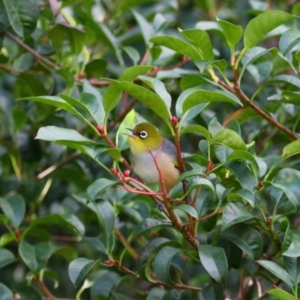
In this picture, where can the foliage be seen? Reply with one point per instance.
(74, 75)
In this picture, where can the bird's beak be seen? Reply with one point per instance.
(133, 133)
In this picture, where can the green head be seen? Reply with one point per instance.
(144, 137)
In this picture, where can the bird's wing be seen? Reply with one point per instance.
(170, 148)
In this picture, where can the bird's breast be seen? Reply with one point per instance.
(145, 167)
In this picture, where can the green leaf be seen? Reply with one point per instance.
(159, 88)
(99, 186)
(35, 257)
(106, 217)
(91, 103)
(196, 129)
(5, 293)
(201, 40)
(188, 209)
(23, 15)
(79, 268)
(132, 53)
(177, 45)
(57, 102)
(6, 257)
(14, 209)
(232, 33)
(229, 138)
(277, 271)
(145, 27)
(113, 93)
(288, 180)
(214, 261)
(162, 262)
(235, 212)
(292, 265)
(288, 40)
(150, 99)
(146, 252)
(244, 194)
(281, 294)
(291, 249)
(291, 149)
(259, 26)
(246, 238)
(200, 96)
(61, 135)
(253, 54)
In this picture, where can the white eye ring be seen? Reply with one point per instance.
(143, 134)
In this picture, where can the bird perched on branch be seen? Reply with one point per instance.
(151, 154)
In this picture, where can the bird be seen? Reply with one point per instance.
(146, 146)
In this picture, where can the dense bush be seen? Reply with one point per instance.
(220, 79)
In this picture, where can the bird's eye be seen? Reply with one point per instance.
(143, 134)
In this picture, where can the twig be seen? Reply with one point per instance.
(124, 241)
(217, 211)
(240, 94)
(31, 51)
(178, 286)
(56, 166)
(44, 288)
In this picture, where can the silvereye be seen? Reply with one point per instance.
(145, 138)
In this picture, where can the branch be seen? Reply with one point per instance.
(178, 286)
(31, 51)
(44, 288)
(240, 94)
(126, 244)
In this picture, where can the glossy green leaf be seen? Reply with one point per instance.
(288, 180)
(99, 186)
(150, 99)
(291, 149)
(113, 93)
(243, 194)
(60, 135)
(79, 268)
(14, 209)
(159, 88)
(132, 53)
(246, 238)
(201, 40)
(277, 271)
(106, 216)
(291, 248)
(6, 257)
(105, 284)
(196, 129)
(35, 256)
(259, 26)
(288, 40)
(281, 294)
(188, 209)
(292, 265)
(235, 212)
(148, 249)
(229, 138)
(145, 27)
(191, 113)
(5, 292)
(147, 225)
(200, 96)
(232, 33)
(253, 54)
(214, 261)
(162, 262)
(57, 102)
(23, 15)
(243, 175)
(177, 45)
